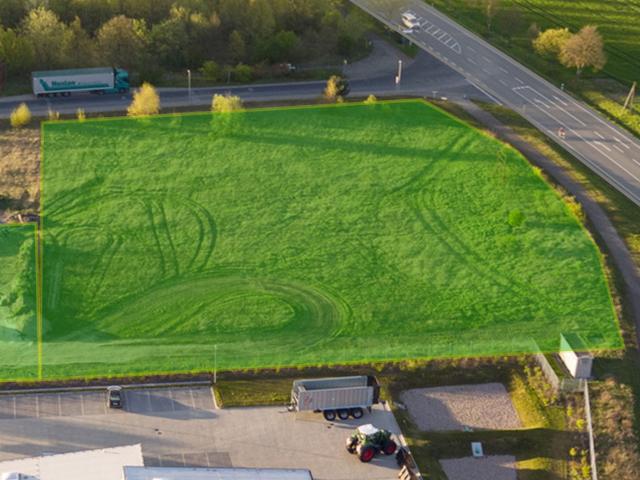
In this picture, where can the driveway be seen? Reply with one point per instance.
(182, 427)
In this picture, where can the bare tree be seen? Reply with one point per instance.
(490, 8)
(584, 49)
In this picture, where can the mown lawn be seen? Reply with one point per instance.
(317, 235)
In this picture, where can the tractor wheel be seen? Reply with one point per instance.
(366, 453)
(356, 412)
(343, 414)
(351, 445)
(329, 415)
(389, 447)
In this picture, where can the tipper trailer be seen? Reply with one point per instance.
(340, 397)
(93, 80)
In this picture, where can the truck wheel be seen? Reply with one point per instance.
(356, 412)
(389, 448)
(329, 415)
(343, 414)
(366, 453)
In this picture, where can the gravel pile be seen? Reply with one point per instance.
(498, 467)
(484, 406)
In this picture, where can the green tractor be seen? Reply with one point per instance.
(368, 440)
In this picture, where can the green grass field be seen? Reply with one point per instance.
(290, 237)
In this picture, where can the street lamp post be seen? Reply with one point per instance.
(189, 82)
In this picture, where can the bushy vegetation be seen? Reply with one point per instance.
(21, 116)
(150, 37)
(146, 101)
(225, 103)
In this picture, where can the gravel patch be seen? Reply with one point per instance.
(485, 406)
(498, 467)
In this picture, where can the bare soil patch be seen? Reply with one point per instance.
(19, 171)
(497, 467)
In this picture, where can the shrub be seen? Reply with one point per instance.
(226, 103)
(575, 208)
(21, 116)
(332, 90)
(371, 99)
(81, 115)
(145, 102)
(242, 73)
(516, 218)
(53, 115)
(211, 71)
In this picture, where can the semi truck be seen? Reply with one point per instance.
(92, 80)
(341, 397)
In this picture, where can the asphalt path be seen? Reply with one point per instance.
(425, 76)
(607, 149)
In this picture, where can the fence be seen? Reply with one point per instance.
(592, 447)
(559, 384)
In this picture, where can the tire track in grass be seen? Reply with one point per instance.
(167, 234)
(147, 205)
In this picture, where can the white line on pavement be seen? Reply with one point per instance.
(519, 80)
(503, 82)
(618, 148)
(471, 60)
(602, 145)
(488, 60)
(622, 143)
(504, 69)
(598, 134)
(561, 101)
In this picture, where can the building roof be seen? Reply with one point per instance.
(162, 473)
(102, 464)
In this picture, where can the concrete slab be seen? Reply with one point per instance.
(497, 467)
(180, 427)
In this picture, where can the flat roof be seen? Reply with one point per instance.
(72, 71)
(101, 464)
(162, 473)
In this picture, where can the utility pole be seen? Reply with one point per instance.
(399, 76)
(628, 103)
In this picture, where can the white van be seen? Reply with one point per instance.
(410, 20)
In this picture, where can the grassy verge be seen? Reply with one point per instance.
(515, 23)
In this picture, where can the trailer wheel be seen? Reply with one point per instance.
(329, 415)
(366, 453)
(343, 414)
(356, 412)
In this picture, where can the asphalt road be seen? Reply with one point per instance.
(424, 76)
(607, 149)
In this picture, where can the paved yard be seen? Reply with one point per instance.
(482, 406)
(498, 467)
(180, 426)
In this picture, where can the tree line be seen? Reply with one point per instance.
(150, 37)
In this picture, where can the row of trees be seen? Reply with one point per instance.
(152, 36)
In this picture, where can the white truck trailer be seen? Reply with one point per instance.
(340, 397)
(92, 80)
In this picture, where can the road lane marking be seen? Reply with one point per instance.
(598, 134)
(503, 82)
(602, 145)
(504, 69)
(622, 143)
(488, 60)
(519, 80)
(518, 89)
(471, 48)
(618, 148)
(486, 71)
(541, 102)
(561, 101)
(472, 60)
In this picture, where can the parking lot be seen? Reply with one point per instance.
(181, 427)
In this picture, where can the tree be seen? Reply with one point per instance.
(211, 71)
(237, 47)
(11, 12)
(15, 52)
(21, 116)
(145, 102)
(121, 42)
(584, 49)
(226, 103)
(551, 42)
(80, 45)
(282, 46)
(242, 73)
(48, 37)
(170, 42)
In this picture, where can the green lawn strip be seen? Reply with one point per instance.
(18, 339)
(302, 236)
(616, 22)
